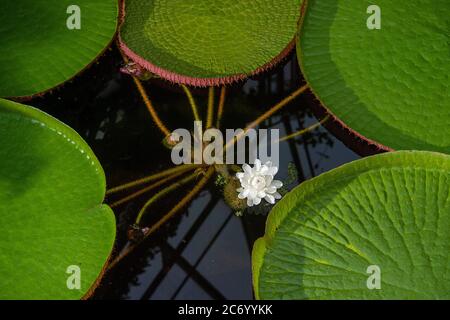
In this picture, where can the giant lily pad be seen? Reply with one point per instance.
(390, 85)
(388, 215)
(208, 42)
(37, 49)
(51, 217)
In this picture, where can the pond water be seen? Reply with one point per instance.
(205, 251)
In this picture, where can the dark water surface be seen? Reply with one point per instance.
(205, 251)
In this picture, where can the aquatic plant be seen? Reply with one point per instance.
(380, 87)
(387, 212)
(39, 52)
(52, 220)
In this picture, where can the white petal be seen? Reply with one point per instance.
(257, 164)
(244, 183)
(268, 164)
(276, 183)
(252, 193)
(264, 170)
(277, 195)
(257, 201)
(270, 199)
(241, 195)
(247, 169)
(249, 202)
(246, 192)
(268, 180)
(273, 171)
(271, 189)
(240, 175)
(261, 194)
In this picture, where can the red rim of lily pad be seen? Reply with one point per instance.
(358, 143)
(43, 93)
(193, 81)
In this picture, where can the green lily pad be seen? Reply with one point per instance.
(39, 52)
(51, 213)
(391, 84)
(208, 42)
(389, 211)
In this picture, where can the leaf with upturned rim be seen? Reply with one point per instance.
(51, 214)
(389, 87)
(204, 42)
(390, 210)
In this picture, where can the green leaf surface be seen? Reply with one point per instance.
(51, 213)
(391, 85)
(37, 50)
(209, 38)
(391, 210)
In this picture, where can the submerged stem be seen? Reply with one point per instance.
(181, 168)
(150, 108)
(162, 193)
(191, 102)
(210, 114)
(303, 131)
(223, 92)
(267, 114)
(197, 188)
(147, 189)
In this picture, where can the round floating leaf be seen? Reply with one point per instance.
(208, 42)
(391, 84)
(38, 51)
(388, 215)
(51, 216)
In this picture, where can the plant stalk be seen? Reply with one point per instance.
(303, 131)
(146, 189)
(150, 108)
(210, 113)
(191, 102)
(156, 176)
(223, 92)
(267, 115)
(162, 193)
(197, 188)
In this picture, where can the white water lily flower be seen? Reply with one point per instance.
(257, 183)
